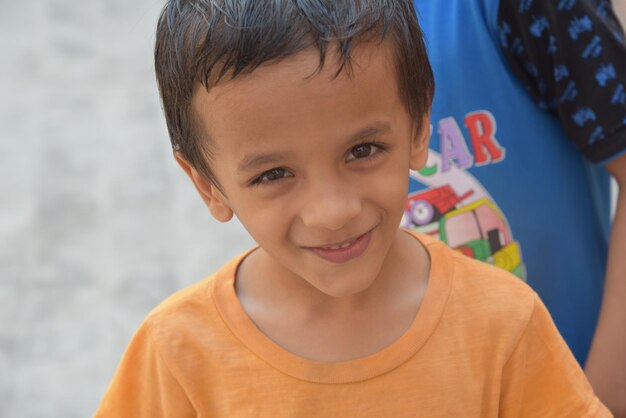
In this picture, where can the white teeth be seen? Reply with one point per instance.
(339, 247)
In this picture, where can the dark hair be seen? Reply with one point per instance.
(202, 41)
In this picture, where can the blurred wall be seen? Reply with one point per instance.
(97, 222)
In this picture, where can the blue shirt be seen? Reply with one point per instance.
(527, 98)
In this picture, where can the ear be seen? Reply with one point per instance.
(212, 196)
(419, 144)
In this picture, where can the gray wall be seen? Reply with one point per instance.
(97, 222)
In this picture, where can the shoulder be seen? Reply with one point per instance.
(489, 280)
(486, 300)
(190, 321)
(188, 301)
(193, 306)
(492, 290)
(179, 316)
(476, 279)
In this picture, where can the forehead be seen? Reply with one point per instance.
(292, 100)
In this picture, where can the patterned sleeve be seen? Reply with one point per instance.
(571, 57)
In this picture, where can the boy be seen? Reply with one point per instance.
(303, 120)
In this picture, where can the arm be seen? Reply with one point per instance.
(580, 45)
(606, 364)
(571, 58)
(620, 10)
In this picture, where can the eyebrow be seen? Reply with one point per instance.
(252, 161)
(374, 129)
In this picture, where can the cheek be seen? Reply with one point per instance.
(265, 222)
(391, 187)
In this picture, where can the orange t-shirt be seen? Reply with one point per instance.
(481, 345)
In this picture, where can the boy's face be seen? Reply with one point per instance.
(309, 163)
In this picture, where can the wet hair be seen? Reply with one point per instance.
(200, 42)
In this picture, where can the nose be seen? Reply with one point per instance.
(330, 206)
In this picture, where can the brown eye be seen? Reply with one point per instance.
(362, 151)
(271, 176)
(365, 151)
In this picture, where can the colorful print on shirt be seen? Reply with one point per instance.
(454, 206)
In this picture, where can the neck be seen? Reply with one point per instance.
(404, 274)
(314, 325)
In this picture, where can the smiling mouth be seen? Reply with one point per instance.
(344, 244)
(343, 251)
